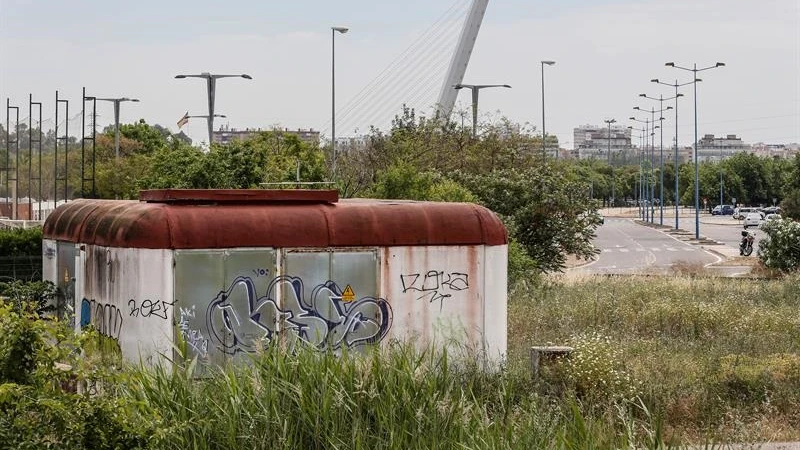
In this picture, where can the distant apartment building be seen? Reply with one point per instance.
(592, 142)
(712, 148)
(226, 135)
(776, 151)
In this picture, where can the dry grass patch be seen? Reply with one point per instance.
(717, 358)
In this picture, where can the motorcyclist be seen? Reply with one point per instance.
(746, 244)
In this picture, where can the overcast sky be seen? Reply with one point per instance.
(607, 51)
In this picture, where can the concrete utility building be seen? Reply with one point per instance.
(228, 271)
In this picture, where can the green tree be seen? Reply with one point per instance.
(549, 214)
(148, 137)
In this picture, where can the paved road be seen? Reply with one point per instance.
(627, 248)
(723, 229)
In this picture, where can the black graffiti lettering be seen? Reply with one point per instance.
(457, 281)
(149, 308)
(104, 317)
(409, 281)
(435, 284)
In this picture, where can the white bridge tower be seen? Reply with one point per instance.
(458, 65)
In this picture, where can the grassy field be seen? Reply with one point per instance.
(657, 362)
(714, 358)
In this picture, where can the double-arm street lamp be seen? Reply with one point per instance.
(694, 71)
(116, 102)
(334, 30)
(676, 86)
(544, 134)
(211, 85)
(475, 88)
(609, 122)
(661, 126)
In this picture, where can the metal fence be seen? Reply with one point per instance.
(26, 268)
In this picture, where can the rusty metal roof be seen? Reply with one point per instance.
(238, 195)
(177, 222)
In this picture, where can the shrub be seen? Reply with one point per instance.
(21, 241)
(780, 249)
(29, 296)
(595, 370)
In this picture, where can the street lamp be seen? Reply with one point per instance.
(661, 152)
(544, 134)
(641, 135)
(334, 30)
(646, 180)
(694, 71)
(609, 122)
(475, 88)
(676, 86)
(116, 102)
(211, 85)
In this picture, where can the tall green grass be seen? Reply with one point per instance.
(395, 398)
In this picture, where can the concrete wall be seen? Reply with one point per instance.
(227, 303)
(127, 294)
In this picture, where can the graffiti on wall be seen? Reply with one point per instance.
(149, 308)
(238, 318)
(104, 317)
(194, 338)
(435, 285)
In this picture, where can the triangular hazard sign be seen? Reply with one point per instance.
(348, 295)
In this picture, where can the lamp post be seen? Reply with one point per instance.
(211, 87)
(646, 177)
(475, 88)
(544, 134)
(609, 122)
(676, 86)
(116, 102)
(334, 30)
(641, 176)
(661, 147)
(694, 71)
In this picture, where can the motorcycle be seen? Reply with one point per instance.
(746, 244)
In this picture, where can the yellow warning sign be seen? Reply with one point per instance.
(348, 295)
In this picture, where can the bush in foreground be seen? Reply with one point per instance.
(780, 249)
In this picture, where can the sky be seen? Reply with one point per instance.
(606, 53)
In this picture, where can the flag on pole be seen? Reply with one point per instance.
(184, 120)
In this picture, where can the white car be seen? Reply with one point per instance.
(742, 211)
(772, 217)
(752, 219)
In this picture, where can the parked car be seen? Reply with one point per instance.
(740, 212)
(722, 210)
(752, 219)
(772, 210)
(773, 216)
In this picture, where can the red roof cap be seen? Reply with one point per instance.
(183, 223)
(199, 196)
